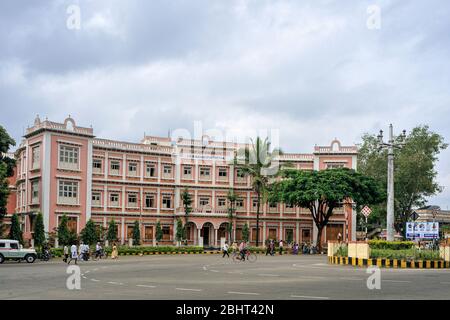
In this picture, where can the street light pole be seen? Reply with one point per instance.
(390, 145)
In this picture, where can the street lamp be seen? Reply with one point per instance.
(390, 145)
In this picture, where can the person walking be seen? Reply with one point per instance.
(73, 254)
(66, 253)
(268, 247)
(272, 247)
(295, 248)
(114, 252)
(281, 247)
(225, 250)
(242, 250)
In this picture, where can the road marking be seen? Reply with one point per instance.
(84, 277)
(204, 268)
(118, 283)
(268, 275)
(95, 269)
(445, 282)
(404, 281)
(185, 289)
(308, 297)
(87, 271)
(214, 270)
(235, 272)
(95, 280)
(351, 279)
(247, 293)
(145, 286)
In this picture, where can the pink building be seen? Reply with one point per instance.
(63, 168)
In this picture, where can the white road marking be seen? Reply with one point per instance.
(84, 277)
(95, 269)
(118, 283)
(247, 293)
(87, 271)
(145, 286)
(204, 268)
(445, 282)
(404, 281)
(185, 289)
(214, 270)
(268, 275)
(95, 280)
(308, 297)
(351, 279)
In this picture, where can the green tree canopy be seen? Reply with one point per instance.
(231, 209)
(158, 233)
(65, 236)
(90, 234)
(180, 230)
(111, 236)
(136, 233)
(14, 232)
(39, 232)
(414, 172)
(323, 191)
(186, 198)
(6, 170)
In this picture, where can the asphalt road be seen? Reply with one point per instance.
(209, 277)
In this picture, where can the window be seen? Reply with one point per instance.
(150, 170)
(68, 157)
(96, 199)
(289, 206)
(148, 233)
(2, 244)
(204, 202)
(36, 158)
(187, 171)
(255, 203)
(221, 202)
(167, 202)
(149, 201)
(35, 192)
(115, 167)
(167, 169)
(132, 168)
(254, 234)
(205, 173)
(273, 234)
(14, 245)
(97, 165)
(132, 200)
(240, 203)
(72, 224)
(273, 205)
(222, 173)
(166, 232)
(68, 192)
(333, 165)
(240, 174)
(114, 199)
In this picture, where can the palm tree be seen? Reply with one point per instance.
(231, 197)
(260, 163)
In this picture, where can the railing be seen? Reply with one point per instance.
(58, 126)
(131, 146)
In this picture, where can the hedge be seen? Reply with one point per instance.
(405, 254)
(391, 245)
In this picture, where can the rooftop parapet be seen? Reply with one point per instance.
(68, 126)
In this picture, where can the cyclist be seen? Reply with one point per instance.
(243, 250)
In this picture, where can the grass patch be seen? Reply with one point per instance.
(405, 254)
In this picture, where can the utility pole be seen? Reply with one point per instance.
(390, 145)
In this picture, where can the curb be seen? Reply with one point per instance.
(390, 263)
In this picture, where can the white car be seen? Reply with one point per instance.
(12, 250)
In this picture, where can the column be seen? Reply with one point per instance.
(248, 203)
(106, 165)
(159, 170)
(105, 198)
(198, 236)
(125, 167)
(264, 232)
(142, 168)
(214, 173)
(122, 231)
(297, 232)
(215, 237)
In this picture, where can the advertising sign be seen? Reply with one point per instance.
(422, 230)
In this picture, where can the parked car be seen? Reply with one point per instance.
(12, 250)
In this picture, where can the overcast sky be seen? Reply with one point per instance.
(314, 70)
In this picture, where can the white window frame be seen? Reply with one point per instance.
(201, 201)
(35, 189)
(113, 203)
(96, 199)
(202, 174)
(36, 157)
(167, 198)
(94, 168)
(72, 187)
(150, 196)
(148, 171)
(74, 158)
(132, 173)
(132, 204)
(114, 172)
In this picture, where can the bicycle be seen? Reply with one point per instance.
(249, 256)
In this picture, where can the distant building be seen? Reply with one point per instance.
(63, 168)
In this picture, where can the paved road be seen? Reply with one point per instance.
(211, 277)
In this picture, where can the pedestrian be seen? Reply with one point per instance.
(98, 250)
(234, 246)
(281, 247)
(66, 253)
(272, 247)
(73, 254)
(225, 250)
(242, 250)
(295, 248)
(339, 237)
(114, 252)
(268, 247)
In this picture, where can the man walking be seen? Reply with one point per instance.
(281, 247)
(66, 253)
(73, 254)
(225, 250)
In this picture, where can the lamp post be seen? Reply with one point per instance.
(390, 145)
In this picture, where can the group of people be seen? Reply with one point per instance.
(234, 248)
(270, 248)
(82, 253)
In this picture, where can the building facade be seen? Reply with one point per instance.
(63, 168)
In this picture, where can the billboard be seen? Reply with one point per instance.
(422, 230)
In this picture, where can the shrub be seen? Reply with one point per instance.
(342, 251)
(405, 254)
(391, 245)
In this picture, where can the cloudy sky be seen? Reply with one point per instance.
(314, 70)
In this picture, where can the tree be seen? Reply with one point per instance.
(186, 198)
(245, 233)
(180, 230)
(159, 233)
(414, 172)
(6, 170)
(90, 234)
(231, 197)
(15, 233)
(260, 163)
(323, 191)
(111, 236)
(136, 233)
(65, 236)
(39, 232)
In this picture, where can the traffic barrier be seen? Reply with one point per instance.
(390, 263)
